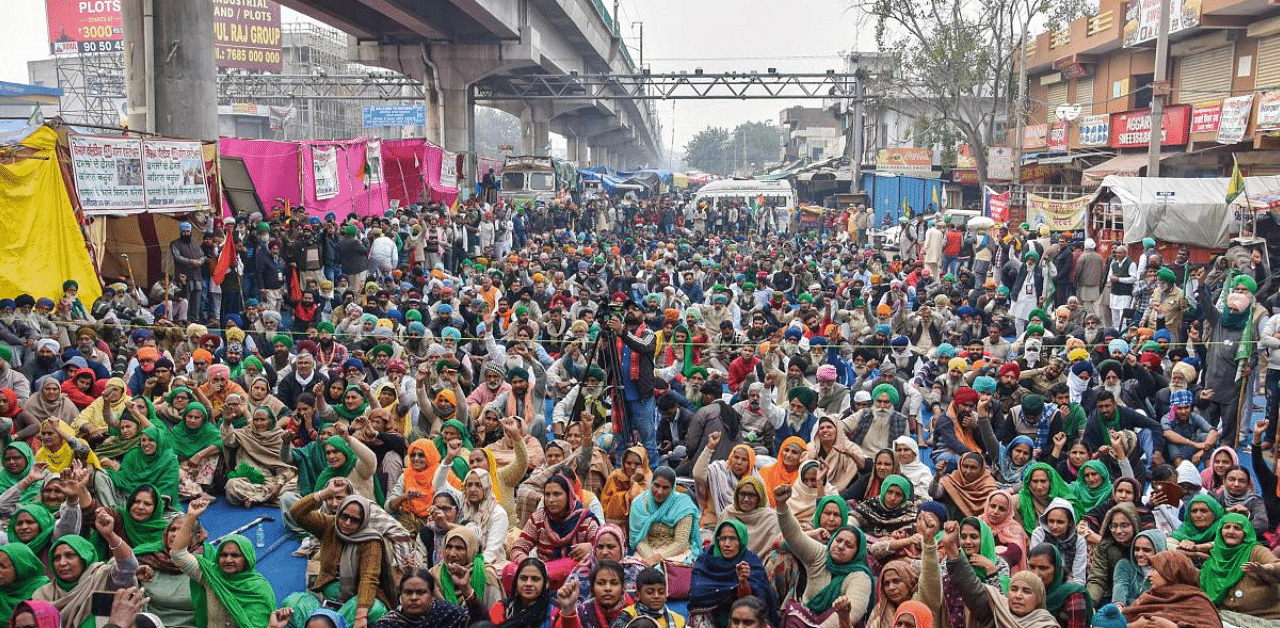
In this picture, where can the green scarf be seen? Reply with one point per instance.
(43, 518)
(188, 442)
(249, 473)
(118, 446)
(159, 469)
(903, 485)
(477, 581)
(738, 527)
(1075, 421)
(1188, 530)
(7, 480)
(460, 465)
(832, 499)
(1026, 503)
(84, 549)
(1056, 594)
(987, 548)
(822, 601)
(29, 576)
(341, 408)
(1223, 569)
(247, 595)
(339, 443)
(1086, 499)
(142, 532)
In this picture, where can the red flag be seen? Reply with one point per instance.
(225, 259)
(295, 290)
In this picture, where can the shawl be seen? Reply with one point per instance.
(909, 573)
(1060, 589)
(74, 600)
(28, 576)
(1180, 600)
(116, 446)
(79, 398)
(842, 469)
(646, 511)
(40, 542)
(7, 480)
(822, 600)
(804, 500)
(822, 505)
(377, 527)
(1066, 546)
(561, 529)
(721, 481)
(1004, 618)
(459, 464)
(1086, 498)
(41, 409)
(160, 469)
(420, 481)
(479, 514)
(187, 442)
(918, 472)
(472, 542)
(94, 413)
(247, 596)
(343, 470)
(715, 577)
(874, 482)
(879, 520)
(262, 450)
(1007, 530)
(441, 615)
(1011, 473)
(521, 615)
(45, 613)
(777, 474)
(1223, 568)
(139, 533)
(969, 497)
(61, 459)
(1029, 509)
(346, 413)
(986, 547)
(1207, 478)
(1188, 530)
(761, 522)
(1135, 576)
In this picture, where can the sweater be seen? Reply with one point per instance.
(812, 554)
(307, 513)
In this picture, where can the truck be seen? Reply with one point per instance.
(527, 179)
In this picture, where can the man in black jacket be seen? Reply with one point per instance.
(630, 358)
(1108, 417)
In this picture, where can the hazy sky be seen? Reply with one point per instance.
(716, 35)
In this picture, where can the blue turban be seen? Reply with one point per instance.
(1162, 334)
(947, 350)
(451, 332)
(984, 384)
(882, 329)
(1117, 345)
(900, 341)
(793, 333)
(1181, 398)
(817, 341)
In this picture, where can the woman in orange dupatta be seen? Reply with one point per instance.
(411, 496)
(625, 484)
(787, 468)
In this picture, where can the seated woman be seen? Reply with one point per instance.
(898, 583)
(48, 402)
(1041, 485)
(830, 514)
(1195, 537)
(750, 507)
(349, 458)
(452, 431)
(867, 486)
(152, 463)
(728, 572)
(21, 426)
(461, 555)
(836, 571)
(907, 452)
(625, 484)
(356, 566)
(1123, 490)
(1130, 579)
(843, 457)
(197, 443)
(140, 519)
(32, 525)
(560, 530)
(172, 406)
(808, 489)
(227, 589)
(1175, 598)
(719, 478)
(96, 419)
(608, 598)
(425, 604)
(1011, 540)
(78, 574)
(529, 603)
(1237, 495)
(17, 462)
(1022, 607)
(485, 516)
(1092, 486)
(259, 458)
(893, 510)
(787, 469)
(1119, 529)
(1241, 575)
(166, 584)
(59, 448)
(610, 545)
(1014, 460)
(972, 537)
(260, 396)
(126, 431)
(1067, 601)
(663, 524)
(504, 447)
(409, 499)
(505, 478)
(1058, 528)
(21, 573)
(353, 406)
(965, 490)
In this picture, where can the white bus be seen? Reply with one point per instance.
(747, 192)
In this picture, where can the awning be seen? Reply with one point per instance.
(1070, 158)
(1127, 165)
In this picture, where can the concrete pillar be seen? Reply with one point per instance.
(573, 152)
(537, 128)
(182, 78)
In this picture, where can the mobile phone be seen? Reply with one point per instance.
(102, 602)
(332, 605)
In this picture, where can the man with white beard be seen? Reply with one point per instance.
(760, 416)
(1231, 358)
(875, 428)
(833, 397)
(1109, 372)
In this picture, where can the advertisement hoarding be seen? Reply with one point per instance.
(1094, 130)
(129, 175)
(246, 35)
(394, 115)
(1142, 19)
(1236, 112)
(84, 27)
(1132, 129)
(908, 160)
(1205, 116)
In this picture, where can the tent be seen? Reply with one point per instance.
(1183, 210)
(42, 244)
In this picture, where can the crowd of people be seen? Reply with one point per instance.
(647, 414)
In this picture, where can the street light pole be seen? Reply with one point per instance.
(633, 25)
(1159, 91)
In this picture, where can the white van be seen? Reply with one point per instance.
(747, 191)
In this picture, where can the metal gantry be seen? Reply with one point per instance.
(669, 86)
(372, 86)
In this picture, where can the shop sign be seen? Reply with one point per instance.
(1132, 129)
(1058, 137)
(1093, 130)
(907, 160)
(1035, 136)
(999, 163)
(1205, 116)
(1235, 119)
(1269, 111)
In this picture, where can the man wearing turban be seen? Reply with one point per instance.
(1234, 316)
(800, 419)
(1167, 305)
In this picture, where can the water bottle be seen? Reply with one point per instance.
(262, 539)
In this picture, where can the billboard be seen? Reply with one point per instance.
(246, 33)
(1205, 116)
(84, 26)
(1142, 19)
(394, 115)
(1132, 129)
(129, 175)
(905, 160)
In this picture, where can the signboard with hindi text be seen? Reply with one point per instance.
(173, 174)
(324, 167)
(1058, 214)
(1205, 116)
(1236, 112)
(1142, 19)
(130, 175)
(1269, 111)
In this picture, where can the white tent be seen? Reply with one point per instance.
(1187, 211)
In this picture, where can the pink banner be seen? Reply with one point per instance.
(412, 167)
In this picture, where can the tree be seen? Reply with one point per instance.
(708, 151)
(1059, 14)
(722, 152)
(496, 128)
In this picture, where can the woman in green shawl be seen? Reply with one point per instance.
(153, 462)
(231, 591)
(452, 430)
(893, 510)
(1092, 486)
(835, 570)
(18, 459)
(78, 572)
(21, 573)
(1241, 575)
(355, 404)
(347, 457)
(1041, 484)
(979, 545)
(196, 441)
(140, 521)
(1130, 579)
(1195, 536)
(32, 525)
(1068, 601)
(126, 430)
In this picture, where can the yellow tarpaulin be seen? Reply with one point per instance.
(40, 241)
